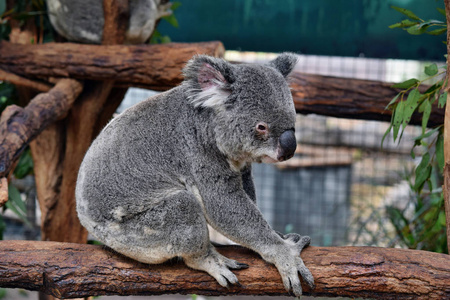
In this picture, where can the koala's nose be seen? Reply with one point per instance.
(288, 144)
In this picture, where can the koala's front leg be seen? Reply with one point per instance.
(230, 211)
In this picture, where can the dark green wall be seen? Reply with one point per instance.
(324, 27)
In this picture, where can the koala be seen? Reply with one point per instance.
(162, 170)
(83, 20)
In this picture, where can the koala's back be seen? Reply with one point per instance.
(134, 161)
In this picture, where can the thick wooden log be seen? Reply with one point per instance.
(153, 66)
(18, 126)
(74, 270)
(349, 98)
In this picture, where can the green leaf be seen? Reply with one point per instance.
(2, 293)
(16, 204)
(422, 172)
(175, 5)
(431, 70)
(2, 6)
(392, 101)
(398, 118)
(440, 152)
(442, 11)
(14, 197)
(403, 24)
(434, 87)
(417, 29)
(428, 134)
(172, 20)
(385, 135)
(25, 165)
(437, 31)
(442, 100)
(410, 106)
(406, 84)
(426, 114)
(406, 12)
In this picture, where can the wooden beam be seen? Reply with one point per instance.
(349, 98)
(18, 126)
(154, 66)
(68, 270)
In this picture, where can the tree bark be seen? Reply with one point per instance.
(18, 126)
(447, 134)
(116, 14)
(349, 98)
(74, 270)
(154, 66)
(23, 82)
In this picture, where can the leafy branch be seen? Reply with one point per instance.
(426, 228)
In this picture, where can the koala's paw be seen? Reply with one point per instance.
(290, 265)
(216, 265)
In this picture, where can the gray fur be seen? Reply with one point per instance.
(166, 167)
(83, 20)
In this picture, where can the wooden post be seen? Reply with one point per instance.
(447, 134)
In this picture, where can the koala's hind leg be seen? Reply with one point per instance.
(176, 227)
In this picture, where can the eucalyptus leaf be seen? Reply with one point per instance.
(403, 24)
(25, 165)
(427, 134)
(422, 172)
(410, 106)
(426, 114)
(175, 5)
(406, 12)
(431, 70)
(417, 29)
(385, 135)
(442, 11)
(14, 197)
(398, 118)
(392, 101)
(172, 20)
(442, 100)
(440, 152)
(437, 31)
(434, 87)
(406, 84)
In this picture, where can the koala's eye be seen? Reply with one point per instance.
(262, 127)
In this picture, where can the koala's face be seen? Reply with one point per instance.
(260, 115)
(254, 116)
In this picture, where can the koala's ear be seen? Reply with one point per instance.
(284, 63)
(208, 80)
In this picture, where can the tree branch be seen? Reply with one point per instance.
(18, 126)
(153, 66)
(73, 270)
(350, 98)
(3, 191)
(20, 81)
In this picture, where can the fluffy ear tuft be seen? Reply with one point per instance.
(284, 63)
(208, 80)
